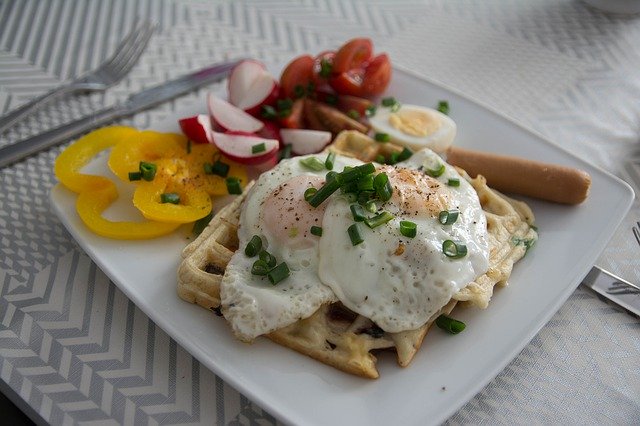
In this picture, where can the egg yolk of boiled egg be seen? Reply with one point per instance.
(415, 126)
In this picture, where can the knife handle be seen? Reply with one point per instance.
(11, 153)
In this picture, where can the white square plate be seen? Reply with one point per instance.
(449, 370)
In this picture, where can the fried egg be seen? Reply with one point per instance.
(415, 127)
(396, 281)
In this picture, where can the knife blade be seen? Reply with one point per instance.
(135, 103)
(619, 291)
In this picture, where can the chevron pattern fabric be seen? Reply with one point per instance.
(77, 350)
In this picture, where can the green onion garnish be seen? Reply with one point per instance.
(331, 175)
(356, 173)
(135, 176)
(364, 197)
(267, 258)
(189, 146)
(358, 212)
(299, 91)
(387, 102)
(405, 154)
(170, 197)
(148, 170)
(324, 192)
(254, 246)
(379, 219)
(354, 234)
(382, 137)
(408, 229)
(312, 163)
(278, 273)
(285, 103)
(435, 172)
(218, 168)
(200, 224)
(309, 192)
(450, 325)
(380, 159)
(448, 217)
(395, 107)
(453, 182)
(370, 111)
(453, 250)
(316, 230)
(393, 158)
(328, 163)
(365, 183)
(260, 267)
(352, 113)
(285, 152)
(261, 147)
(233, 185)
(382, 186)
(326, 67)
(370, 206)
(443, 107)
(268, 112)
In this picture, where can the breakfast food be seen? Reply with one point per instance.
(332, 306)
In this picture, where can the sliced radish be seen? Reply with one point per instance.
(305, 141)
(197, 128)
(251, 86)
(270, 130)
(230, 117)
(240, 147)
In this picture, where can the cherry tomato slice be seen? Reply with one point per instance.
(298, 73)
(348, 83)
(355, 53)
(295, 120)
(377, 76)
(323, 67)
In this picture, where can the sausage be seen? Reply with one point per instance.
(518, 175)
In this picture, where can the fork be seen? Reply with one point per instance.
(635, 230)
(104, 76)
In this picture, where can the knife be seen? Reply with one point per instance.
(616, 289)
(135, 103)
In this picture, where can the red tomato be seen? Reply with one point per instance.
(321, 74)
(295, 120)
(377, 76)
(348, 83)
(298, 72)
(347, 103)
(353, 54)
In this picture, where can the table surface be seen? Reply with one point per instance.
(561, 68)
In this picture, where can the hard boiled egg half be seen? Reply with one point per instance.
(415, 126)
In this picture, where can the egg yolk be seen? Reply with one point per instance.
(289, 217)
(416, 194)
(415, 123)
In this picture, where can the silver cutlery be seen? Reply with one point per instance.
(106, 75)
(135, 103)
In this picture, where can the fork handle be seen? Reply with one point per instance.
(12, 117)
(14, 152)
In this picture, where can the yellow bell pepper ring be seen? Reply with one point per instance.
(91, 204)
(79, 154)
(171, 201)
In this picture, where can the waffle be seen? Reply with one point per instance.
(335, 335)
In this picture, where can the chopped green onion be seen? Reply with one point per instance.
(331, 175)
(218, 168)
(450, 325)
(370, 111)
(261, 147)
(387, 102)
(328, 163)
(254, 246)
(170, 197)
(383, 186)
(285, 103)
(370, 206)
(364, 197)
(148, 170)
(260, 267)
(356, 173)
(324, 192)
(189, 146)
(405, 154)
(453, 250)
(309, 192)
(448, 217)
(268, 112)
(268, 258)
(408, 229)
(326, 67)
(312, 163)
(380, 159)
(278, 273)
(316, 230)
(233, 185)
(453, 182)
(435, 172)
(395, 107)
(299, 91)
(285, 152)
(382, 137)
(200, 224)
(352, 113)
(365, 183)
(443, 107)
(349, 188)
(135, 176)
(358, 212)
(379, 219)
(393, 158)
(354, 234)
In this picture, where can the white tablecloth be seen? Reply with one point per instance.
(74, 348)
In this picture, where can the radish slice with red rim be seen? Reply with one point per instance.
(197, 128)
(230, 117)
(251, 86)
(305, 141)
(246, 148)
